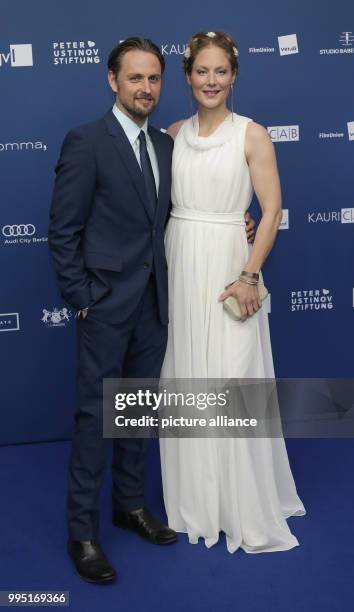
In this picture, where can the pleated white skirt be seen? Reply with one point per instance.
(240, 486)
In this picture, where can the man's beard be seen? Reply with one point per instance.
(137, 113)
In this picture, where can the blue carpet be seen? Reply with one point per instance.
(318, 575)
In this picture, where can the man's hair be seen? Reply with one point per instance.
(135, 43)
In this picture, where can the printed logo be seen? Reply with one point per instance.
(76, 52)
(173, 49)
(18, 56)
(21, 234)
(284, 133)
(169, 48)
(350, 125)
(331, 135)
(345, 215)
(9, 321)
(22, 146)
(284, 224)
(56, 317)
(288, 44)
(311, 299)
(261, 50)
(346, 40)
(19, 230)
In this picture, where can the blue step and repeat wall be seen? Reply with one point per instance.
(296, 78)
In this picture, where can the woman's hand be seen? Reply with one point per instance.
(247, 297)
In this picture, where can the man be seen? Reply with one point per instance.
(110, 205)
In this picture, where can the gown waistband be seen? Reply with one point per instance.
(233, 218)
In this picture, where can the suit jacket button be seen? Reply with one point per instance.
(146, 264)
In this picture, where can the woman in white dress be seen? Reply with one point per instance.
(241, 486)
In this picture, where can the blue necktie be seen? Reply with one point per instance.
(148, 175)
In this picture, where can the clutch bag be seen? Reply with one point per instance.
(232, 306)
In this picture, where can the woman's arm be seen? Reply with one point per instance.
(262, 163)
(260, 155)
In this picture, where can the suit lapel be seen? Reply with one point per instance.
(127, 156)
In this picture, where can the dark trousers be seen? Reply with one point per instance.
(133, 349)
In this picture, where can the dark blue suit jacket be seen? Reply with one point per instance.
(103, 241)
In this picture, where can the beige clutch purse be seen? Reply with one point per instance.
(231, 304)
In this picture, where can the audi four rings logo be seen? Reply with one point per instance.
(19, 230)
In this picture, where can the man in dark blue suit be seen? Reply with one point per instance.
(110, 205)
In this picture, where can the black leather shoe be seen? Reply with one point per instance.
(143, 523)
(90, 561)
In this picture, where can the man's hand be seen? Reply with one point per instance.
(250, 225)
(82, 314)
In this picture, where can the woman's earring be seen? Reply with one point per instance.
(232, 101)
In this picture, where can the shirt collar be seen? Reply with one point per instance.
(131, 129)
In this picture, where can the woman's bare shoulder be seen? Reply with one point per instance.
(257, 140)
(256, 131)
(174, 128)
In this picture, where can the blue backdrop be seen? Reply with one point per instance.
(300, 86)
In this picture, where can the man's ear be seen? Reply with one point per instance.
(112, 80)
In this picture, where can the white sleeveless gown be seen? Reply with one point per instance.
(241, 486)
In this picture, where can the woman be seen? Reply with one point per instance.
(241, 486)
